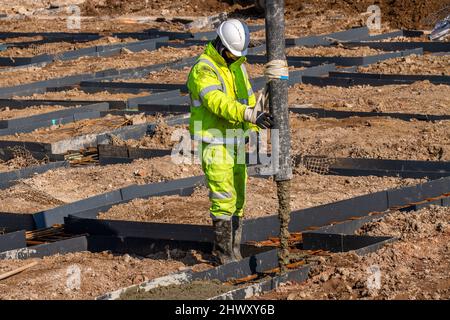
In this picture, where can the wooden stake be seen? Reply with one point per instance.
(18, 270)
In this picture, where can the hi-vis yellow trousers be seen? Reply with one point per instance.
(226, 176)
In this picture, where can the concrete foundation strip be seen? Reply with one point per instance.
(54, 115)
(7, 179)
(75, 244)
(437, 79)
(25, 103)
(95, 51)
(355, 61)
(89, 207)
(339, 114)
(28, 124)
(433, 46)
(327, 39)
(127, 86)
(350, 81)
(83, 141)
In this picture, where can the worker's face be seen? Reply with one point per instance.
(230, 55)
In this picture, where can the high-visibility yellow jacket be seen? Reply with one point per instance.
(219, 95)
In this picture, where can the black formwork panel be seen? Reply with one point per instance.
(12, 240)
(75, 244)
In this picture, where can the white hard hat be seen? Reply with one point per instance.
(235, 36)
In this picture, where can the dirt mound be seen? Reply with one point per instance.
(21, 158)
(432, 65)
(405, 225)
(162, 138)
(156, 7)
(413, 14)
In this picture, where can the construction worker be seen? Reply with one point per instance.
(222, 114)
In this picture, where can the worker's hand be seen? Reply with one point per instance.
(262, 119)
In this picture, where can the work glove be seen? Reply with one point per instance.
(257, 115)
(262, 119)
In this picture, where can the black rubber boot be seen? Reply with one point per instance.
(237, 237)
(223, 242)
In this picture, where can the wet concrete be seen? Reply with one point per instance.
(196, 290)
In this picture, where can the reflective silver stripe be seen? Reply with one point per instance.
(221, 217)
(219, 140)
(209, 63)
(244, 70)
(220, 195)
(206, 90)
(195, 103)
(243, 101)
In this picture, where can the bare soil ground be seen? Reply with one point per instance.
(123, 60)
(7, 113)
(23, 39)
(104, 25)
(56, 47)
(161, 139)
(55, 277)
(395, 13)
(427, 64)
(21, 158)
(423, 38)
(180, 8)
(420, 97)
(77, 94)
(371, 138)
(41, 192)
(308, 189)
(334, 51)
(414, 267)
(78, 128)
(163, 76)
